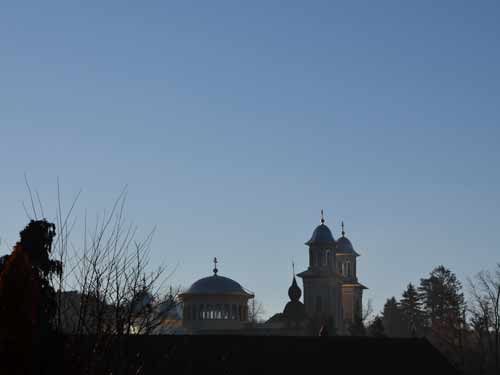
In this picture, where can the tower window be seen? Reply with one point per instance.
(327, 257)
(347, 269)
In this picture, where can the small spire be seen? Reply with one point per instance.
(343, 231)
(322, 217)
(215, 267)
(293, 269)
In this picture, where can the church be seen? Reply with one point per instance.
(332, 295)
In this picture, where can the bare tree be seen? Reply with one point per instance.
(485, 310)
(108, 288)
(366, 311)
(256, 311)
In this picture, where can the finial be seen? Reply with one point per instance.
(343, 231)
(322, 217)
(293, 269)
(215, 267)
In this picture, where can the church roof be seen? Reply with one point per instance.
(217, 285)
(322, 235)
(344, 246)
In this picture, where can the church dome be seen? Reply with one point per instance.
(344, 245)
(322, 235)
(294, 310)
(294, 291)
(216, 285)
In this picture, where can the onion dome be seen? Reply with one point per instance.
(294, 310)
(294, 291)
(322, 235)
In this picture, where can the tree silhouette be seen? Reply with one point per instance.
(394, 320)
(442, 298)
(444, 311)
(27, 299)
(411, 306)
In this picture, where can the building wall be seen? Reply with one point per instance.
(323, 300)
(214, 312)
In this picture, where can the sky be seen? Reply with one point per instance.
(233, 124)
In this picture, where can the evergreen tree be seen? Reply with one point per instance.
(411, 306)
(444, 307)
(442, 299)
(393, 319)
(376, 328)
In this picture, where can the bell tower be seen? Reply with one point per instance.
(322, 282)
(352, 290)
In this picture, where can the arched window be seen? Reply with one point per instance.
(327, 258)
(347, 269)
(233, 312)
(201, 312)
(227, 311)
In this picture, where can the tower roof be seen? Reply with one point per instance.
(294, 309)
(344, 245)
(294, 291)
(322, 235)
(217, 285)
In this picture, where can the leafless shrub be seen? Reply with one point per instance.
(108, 288)
(484, 307)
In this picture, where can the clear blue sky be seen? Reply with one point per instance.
(234, 123)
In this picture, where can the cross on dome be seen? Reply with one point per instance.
(215, 267)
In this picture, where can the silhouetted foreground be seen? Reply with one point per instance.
(262, 355)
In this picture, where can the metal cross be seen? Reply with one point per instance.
(215, 267)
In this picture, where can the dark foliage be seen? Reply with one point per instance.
(395, 324)
(411, 306)
(27, 299)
